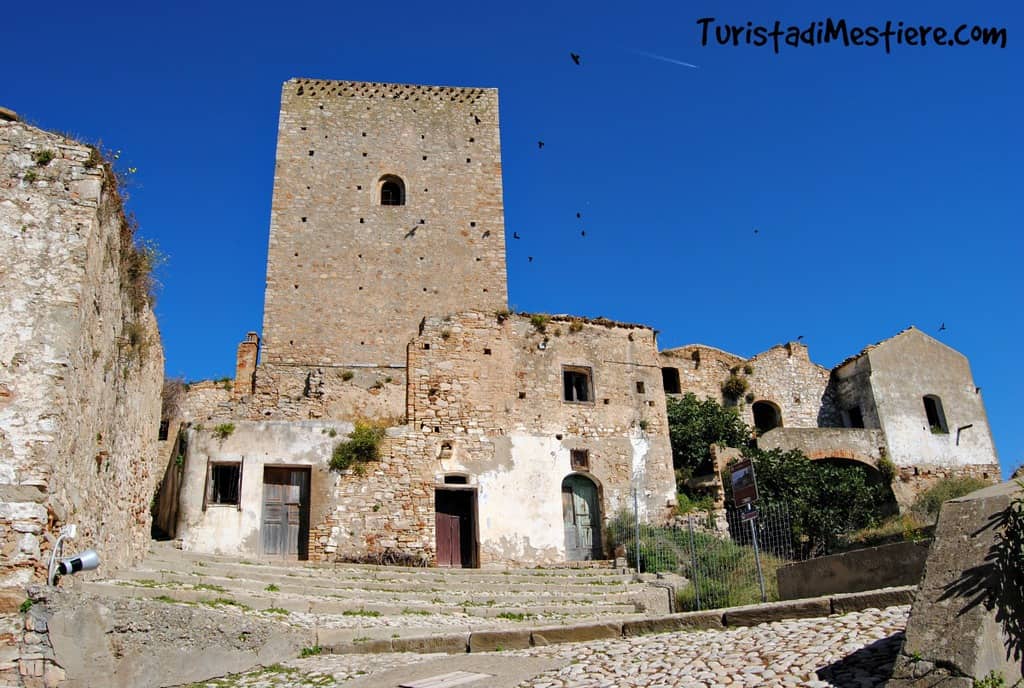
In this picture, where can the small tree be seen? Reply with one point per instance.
(693, 426)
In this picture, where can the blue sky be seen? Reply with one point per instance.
(886, 189)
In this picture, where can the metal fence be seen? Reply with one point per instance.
(727, 564)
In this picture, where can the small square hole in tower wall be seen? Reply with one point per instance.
(639, 387)
(487, 352)
(522, 395)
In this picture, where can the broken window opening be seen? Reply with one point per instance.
(224, 484)
(164, 427)
(580, 459)
(577, 384)
(670, 379)
(855, 419)
(936, 416)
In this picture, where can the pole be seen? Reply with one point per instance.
(636, 518)
(757, 558)
(693, 564)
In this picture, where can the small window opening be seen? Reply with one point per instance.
(936, 416)
(576, 383)
(392, 191)
(670, 378)
(522, 395)
(580, 459)
(639, 386)
(164, 427)
(224, 483)
(487, 352)
(456, 480)
(855, 417)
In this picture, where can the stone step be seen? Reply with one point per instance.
(321, 585)
(354, 606)
(171, 556)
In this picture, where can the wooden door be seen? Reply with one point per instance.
(581, 518)
(449, 538)
(285, 528)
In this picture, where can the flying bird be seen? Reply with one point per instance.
(476, 119)
(575, 57)
(578, 216)
(411, 232)
(540, 144)
(756, 230)
(583, 233)
(942, 327)
(486, 234)
(799, 338)
(530, 258)
(515, 235)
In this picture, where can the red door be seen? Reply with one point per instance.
(449, 539)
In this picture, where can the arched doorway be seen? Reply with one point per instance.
(581, 515)
(766, 416)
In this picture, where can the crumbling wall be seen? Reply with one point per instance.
(81, 362)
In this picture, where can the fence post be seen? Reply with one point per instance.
(693, 563)
(757, 558)
(636, 520)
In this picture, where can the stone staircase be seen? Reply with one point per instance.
(346, 604)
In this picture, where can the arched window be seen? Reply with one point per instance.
(766, 416)
(392, 190)
(936, 416)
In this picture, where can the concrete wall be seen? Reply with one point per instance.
(348, 279)
(871, 568)
(81, 362)
(228, 529)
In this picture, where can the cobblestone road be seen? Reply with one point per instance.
(851, 651)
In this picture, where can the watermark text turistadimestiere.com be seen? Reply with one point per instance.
(832, 31)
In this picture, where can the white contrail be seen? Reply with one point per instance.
(666, 59)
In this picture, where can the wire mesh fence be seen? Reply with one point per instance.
(727, 564)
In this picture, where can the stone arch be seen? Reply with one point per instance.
(391, 190)
(767, 416)
(841, 456)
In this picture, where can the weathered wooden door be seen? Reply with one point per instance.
(582, 519)
(285, 528)
(449, 550)
(454, 520)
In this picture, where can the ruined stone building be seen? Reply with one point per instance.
(511, 438)
(81, 362)
(910, 399)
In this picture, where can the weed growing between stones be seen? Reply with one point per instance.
(223, 431)
(311, 651)
(362, 447)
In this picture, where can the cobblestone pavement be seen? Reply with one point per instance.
(851, 651)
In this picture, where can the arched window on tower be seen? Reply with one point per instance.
(392, 190)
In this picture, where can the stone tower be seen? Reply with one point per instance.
(387, 208)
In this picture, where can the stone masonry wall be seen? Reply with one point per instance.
(349, 279)
(486, 402)
(81, 363)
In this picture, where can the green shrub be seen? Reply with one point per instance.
(540, 321)
(223, 431)
(43, 157)
(362, 447)
(734, 387)
(929, 503)
(313, 651)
